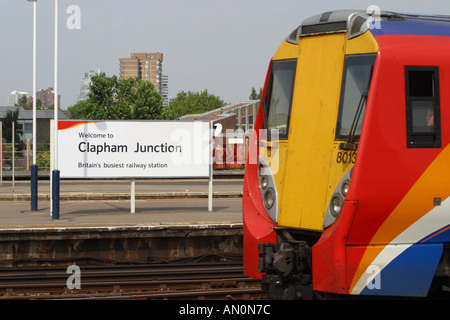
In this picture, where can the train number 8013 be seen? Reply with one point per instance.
(346, 157)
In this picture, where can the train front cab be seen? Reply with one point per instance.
(392, 236)
(356, 209)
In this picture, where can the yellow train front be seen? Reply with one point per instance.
(348, 176)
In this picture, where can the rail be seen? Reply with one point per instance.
(224, 280)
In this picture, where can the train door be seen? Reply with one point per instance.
(312, 131)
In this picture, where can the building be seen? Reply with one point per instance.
(47, 97)
(148, 67)
(85, 83)
(14, 97)
(165, 90)
(233, 128)
(25, 122)
(237, 118)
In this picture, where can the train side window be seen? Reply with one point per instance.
(279, 97)
(422, 107)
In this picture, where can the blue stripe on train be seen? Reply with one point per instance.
(412, 27)
(410, 274)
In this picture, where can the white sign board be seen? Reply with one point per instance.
(131, 149)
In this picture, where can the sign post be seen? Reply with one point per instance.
(211, 161)
(1, 154)
(56, 173)
(133, 196)
(34, 166)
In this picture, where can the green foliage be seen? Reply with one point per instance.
(10, 117)
(111, 98)
(191, 103)
(254, 95)
(8, 151)
(23, 102)
(43, 160)
(45, 145)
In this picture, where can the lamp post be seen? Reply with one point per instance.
(55, 173)
(34, 166)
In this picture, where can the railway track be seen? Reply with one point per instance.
(150, 281)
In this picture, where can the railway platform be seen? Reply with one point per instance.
(107, 202)
(171, 222)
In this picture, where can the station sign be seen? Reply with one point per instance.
(133, 149)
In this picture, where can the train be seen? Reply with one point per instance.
(347, 182)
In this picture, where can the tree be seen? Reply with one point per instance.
(111, 98)
(254, 95)
(23, 102)
(10, 117)
(191, 103)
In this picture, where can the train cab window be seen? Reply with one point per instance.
(279, 97)
(422, 107)
(355, 88)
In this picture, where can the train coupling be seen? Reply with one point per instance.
(286, 268)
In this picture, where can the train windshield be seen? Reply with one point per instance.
(355, 87)
(280, 96)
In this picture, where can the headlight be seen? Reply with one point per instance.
(344, 187)
(336, 205)
(264, 182)
(269, 198)
(337, 200)
(267, 189)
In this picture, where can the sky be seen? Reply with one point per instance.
(223, 46)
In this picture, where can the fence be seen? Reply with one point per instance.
(22, 157)
(230, 152)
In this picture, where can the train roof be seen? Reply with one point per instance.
(357, 22)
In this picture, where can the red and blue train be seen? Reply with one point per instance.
(347, 186)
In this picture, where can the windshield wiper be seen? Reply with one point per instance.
(350, 143)
(265, 104)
